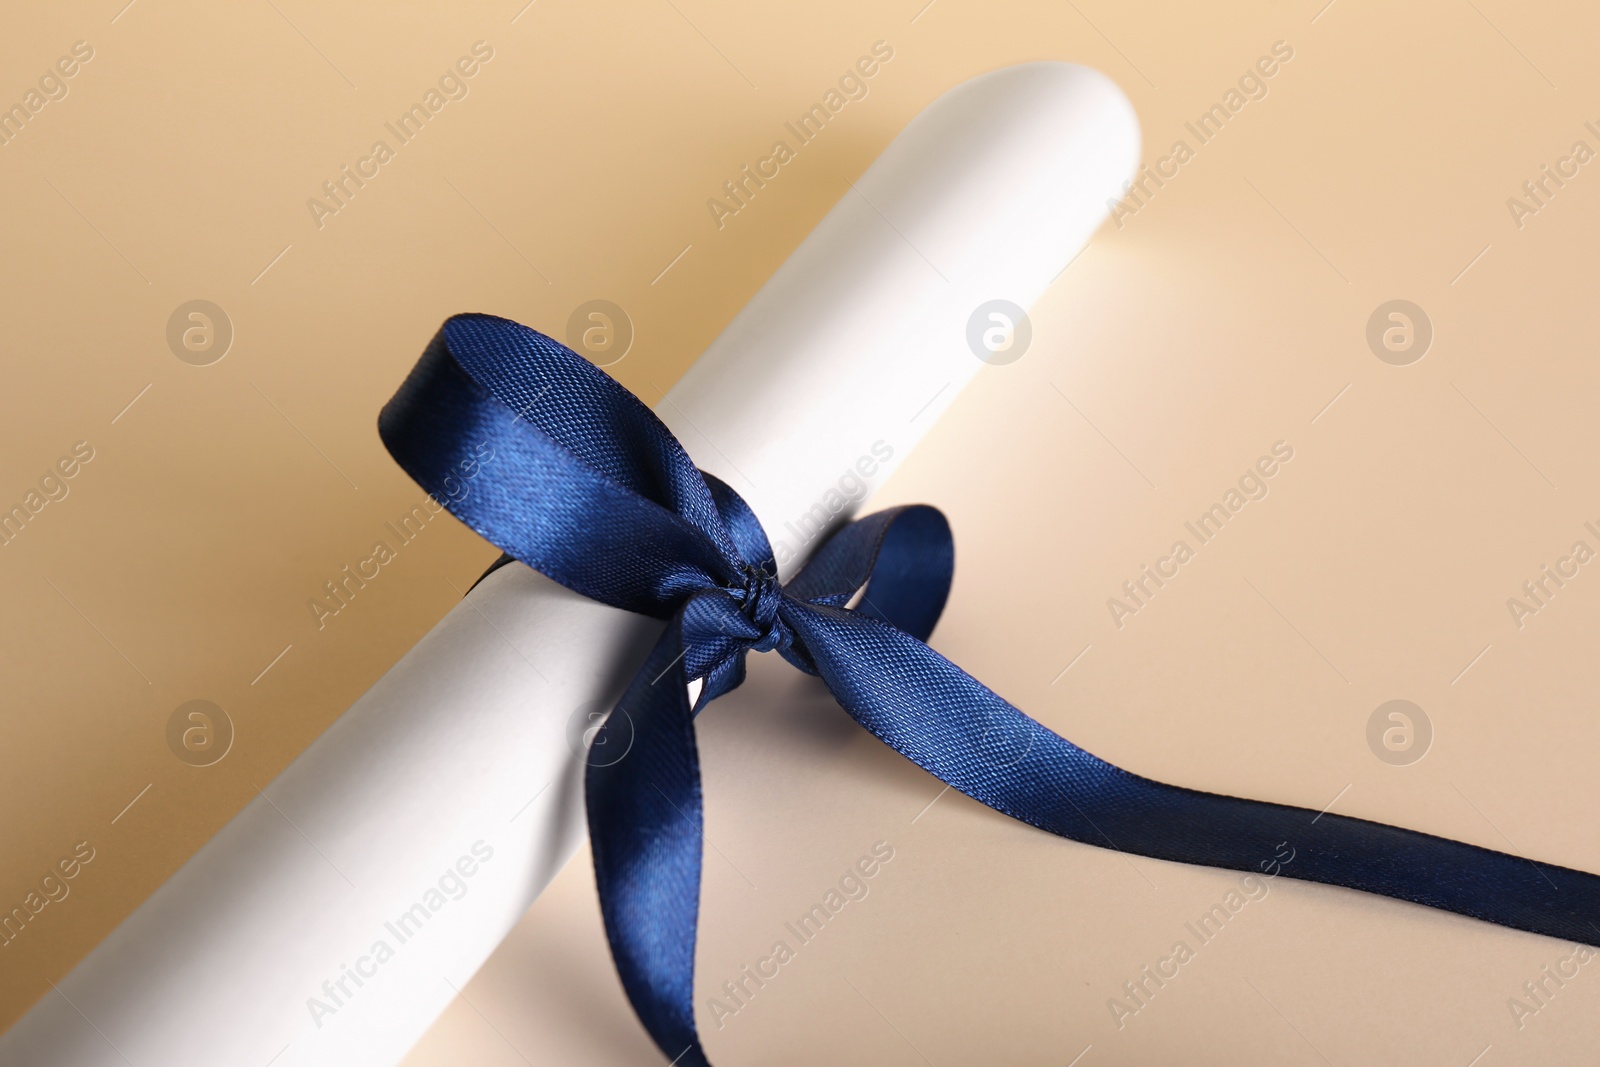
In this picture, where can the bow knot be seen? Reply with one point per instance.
(759, 603)
(583, 483)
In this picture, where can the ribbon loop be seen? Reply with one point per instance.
(744, 529)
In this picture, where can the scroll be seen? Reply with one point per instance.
(332, 920)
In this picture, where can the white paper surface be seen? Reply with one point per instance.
(332, 920)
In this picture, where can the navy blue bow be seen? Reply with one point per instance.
(590, 488)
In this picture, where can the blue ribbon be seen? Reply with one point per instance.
(590, 488)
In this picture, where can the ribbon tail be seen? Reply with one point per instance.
(646, 825)
(951, 725)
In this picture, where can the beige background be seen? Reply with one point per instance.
(1222, 317)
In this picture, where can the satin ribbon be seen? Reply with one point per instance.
(588, 487)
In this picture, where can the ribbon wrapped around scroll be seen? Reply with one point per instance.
(593, 490)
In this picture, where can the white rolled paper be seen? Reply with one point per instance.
(332, 920)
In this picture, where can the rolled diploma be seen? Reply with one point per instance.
(332, 920)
